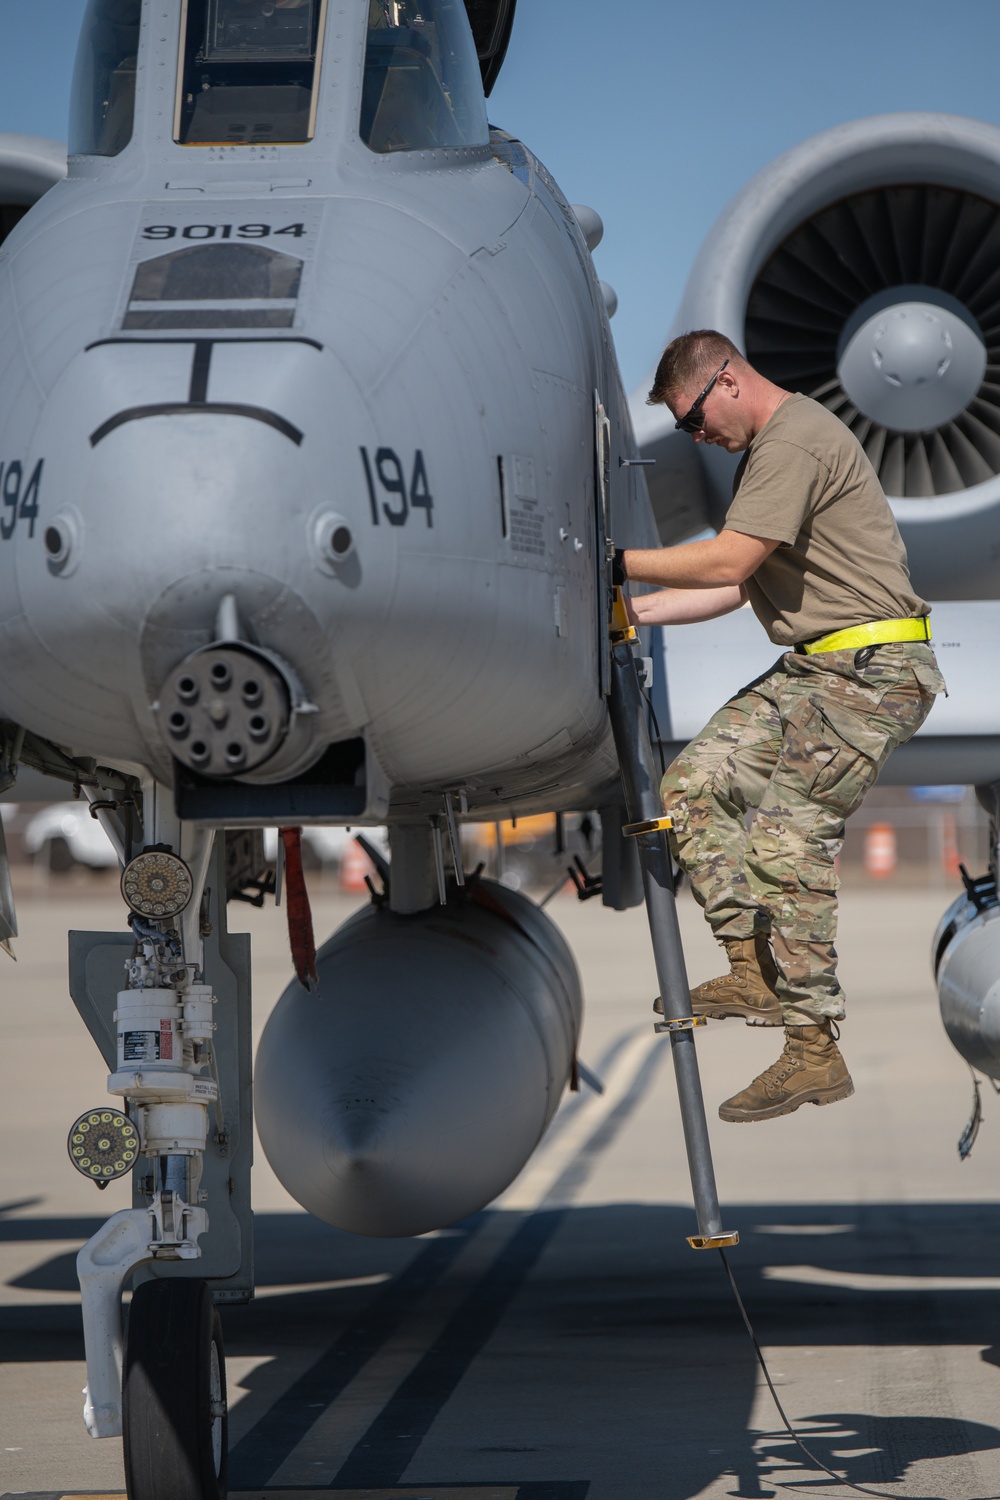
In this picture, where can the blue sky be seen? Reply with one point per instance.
(655, 114)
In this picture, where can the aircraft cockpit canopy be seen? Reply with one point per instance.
(102, 106)
(248, 72)
(422, 88)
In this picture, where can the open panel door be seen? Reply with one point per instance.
(491, 22)
(603, 523)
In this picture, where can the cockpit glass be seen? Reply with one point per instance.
(238, 29)
(423, 87)
(248, 72)
(102, 107)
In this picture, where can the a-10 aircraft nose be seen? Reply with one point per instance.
(395, 528)
(175, 476)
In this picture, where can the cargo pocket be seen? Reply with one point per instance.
(817, 913)
(861, 746)
(807, 750)
(771, 863)
(819, 876)
(792, 884)
(879, 673)
(929, 678)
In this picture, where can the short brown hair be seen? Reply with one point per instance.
(690, 360)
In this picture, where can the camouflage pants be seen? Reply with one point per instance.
(792, 755)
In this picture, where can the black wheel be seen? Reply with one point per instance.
(174, 1394)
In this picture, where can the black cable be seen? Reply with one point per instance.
(678, 873)
(818, 1463)
(656, 727)
(145, 929)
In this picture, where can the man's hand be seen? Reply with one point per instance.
(684, 606)
(723, 561)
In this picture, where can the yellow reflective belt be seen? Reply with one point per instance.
(876, 633)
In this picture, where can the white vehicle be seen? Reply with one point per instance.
(65, 834)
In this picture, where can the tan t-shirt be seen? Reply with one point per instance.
(805, 482)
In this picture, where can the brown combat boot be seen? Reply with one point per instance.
(810, 1070)
(748, 990)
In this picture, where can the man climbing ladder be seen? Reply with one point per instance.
(811, 543)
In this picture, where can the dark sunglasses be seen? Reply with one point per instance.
(692, 420)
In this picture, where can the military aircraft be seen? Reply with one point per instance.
(313, 448)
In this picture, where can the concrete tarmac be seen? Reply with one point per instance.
(566, 1343)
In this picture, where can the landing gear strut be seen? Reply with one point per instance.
(186, 1079)
(174, 1421)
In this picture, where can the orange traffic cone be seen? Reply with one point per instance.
(880, 850)
(949, 845)
(354, 866)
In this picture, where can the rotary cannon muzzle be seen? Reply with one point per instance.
(225, 710)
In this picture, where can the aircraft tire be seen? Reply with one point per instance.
(174, 1420)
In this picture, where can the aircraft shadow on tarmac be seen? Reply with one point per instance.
(595, 1318)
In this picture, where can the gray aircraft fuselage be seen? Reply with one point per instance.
(353, 390)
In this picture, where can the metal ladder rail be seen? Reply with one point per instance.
(649, 828)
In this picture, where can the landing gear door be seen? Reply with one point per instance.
(603, 521)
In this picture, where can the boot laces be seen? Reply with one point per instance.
(722, 982)
(776, 1075)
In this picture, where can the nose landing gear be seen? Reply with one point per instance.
(162, 1388)
(174, 1415)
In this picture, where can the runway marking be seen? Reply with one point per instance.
(288, 1289)
(432, 1492)
(402, 1360)
(387, 1448)
(543, 1172)
(339, 1431)
(874, 1281)
(397, 1432)
(533, 1490)
(427, 1492)
(283, 1426)
(340, 1426)
(795, 1229)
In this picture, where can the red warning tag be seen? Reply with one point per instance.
(166, 1042)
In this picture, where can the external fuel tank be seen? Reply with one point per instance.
(967, 965)
(412, 1088)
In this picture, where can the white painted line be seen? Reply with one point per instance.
(543, 1171)
(873, 1281)
(290, 1287)
(320, 1453)
(803, 1228)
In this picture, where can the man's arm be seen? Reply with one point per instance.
(685, 606)
(720, 562)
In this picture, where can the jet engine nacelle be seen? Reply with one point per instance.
(29, 166)
(860, 268)
(414, 1086)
